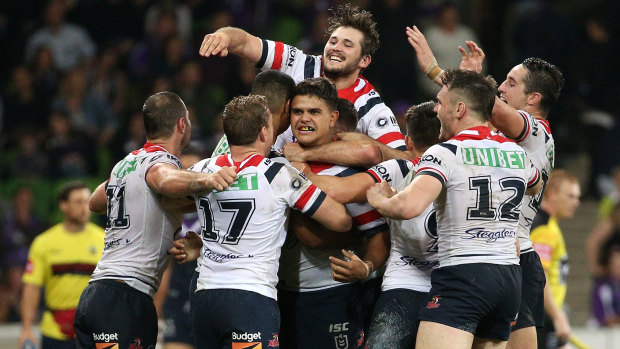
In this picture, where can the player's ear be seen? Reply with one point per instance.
(334, 118)
(263, 134)
(409, 143)
(364, 62)
(534, 98)
(461, 108)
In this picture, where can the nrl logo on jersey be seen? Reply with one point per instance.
(247, 181)
(493, 157)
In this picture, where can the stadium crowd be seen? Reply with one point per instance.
(78, 72)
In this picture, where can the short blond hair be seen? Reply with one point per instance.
(556, 178)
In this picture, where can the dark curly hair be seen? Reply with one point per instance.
(320, 88)
(354, 17)
(544, 78)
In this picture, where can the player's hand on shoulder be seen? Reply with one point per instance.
(293, 152)
(221, 179)
(215, 44)
(301, 167)
(378, 192)
(471, 59)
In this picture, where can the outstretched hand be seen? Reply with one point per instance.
(471, 59)
(215, 44)
(422, 50)
(349, 271)
(186, 249)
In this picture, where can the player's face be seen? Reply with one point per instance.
(511, 90)
(566, 199)
(343, 52)
(75, 208)
(311, 120)
(446, 115)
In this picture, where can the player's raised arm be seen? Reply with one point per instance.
(232, 40)
(507, 119)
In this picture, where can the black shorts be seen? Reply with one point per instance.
(329, 318)
(51, 343)
(532, 309)
(479, 298)
(112, 312)
(230, 318)
(394, 323)
(177, 319)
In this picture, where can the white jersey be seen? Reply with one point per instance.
(484, 178)
(243, 226)
(306, 269)
(537, 141)
(139, 231)
(413, 252)
(375, 119)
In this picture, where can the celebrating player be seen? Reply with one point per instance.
(477, 180)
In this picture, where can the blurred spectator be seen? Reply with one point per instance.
(394, 55)
(70, 152)
(182, 13)
(444, 38)
(110, 82)
(174, 54)
(20, 225)
(46, 77)
(88, 111)
(606, 293)
(560, 200)
(597, 98)
(70, 44)
(22, 109)
(30, 160)
(152, 47)
(133, 136)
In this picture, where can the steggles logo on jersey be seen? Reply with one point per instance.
(494, 157)
(219, 257)
(434, 303)
(416, 262)
(490, 236)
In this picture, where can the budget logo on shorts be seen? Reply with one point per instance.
(342, 341)
(106, 346)
(434, 303)
(246, 345)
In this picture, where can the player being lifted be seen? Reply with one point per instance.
(243, 231)
(477, 180)
(520, 112)
(353, 39)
